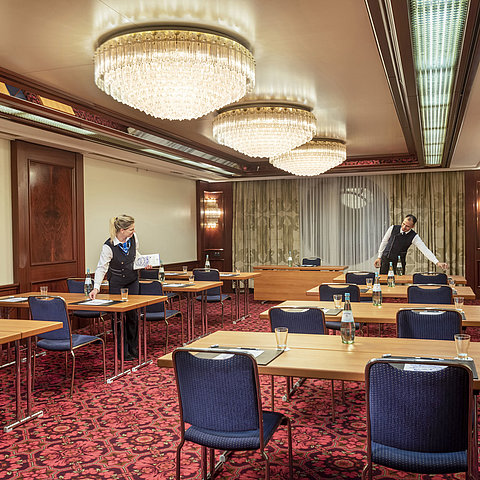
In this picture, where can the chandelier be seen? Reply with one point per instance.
(174, 73)
(313, 158)
(260, 130)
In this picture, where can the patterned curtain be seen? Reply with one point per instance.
(265, 223)
(437, 200)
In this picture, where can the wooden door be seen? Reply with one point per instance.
(48, 222)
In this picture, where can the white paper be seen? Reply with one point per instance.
(97, 301)
(422, 367)
(15, 299)
(143, 260)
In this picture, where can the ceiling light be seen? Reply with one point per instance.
(174, 73)
(262, 130)
(437, 34)
(313, 158)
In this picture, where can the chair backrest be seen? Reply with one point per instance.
(153, 288)
(149, 274)
(430, 277)
(203, 275)
(419, 411)
(75, 286)
(428, 323)
(298, 319)
(220, 395)
(436, 294)
(312, 261)
(359, 278)
(52, 309)
(328, 290)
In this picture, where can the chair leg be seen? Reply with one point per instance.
(177, 469)
(166, 336)
(272, 385)
(222, 314)
(73, 371)
(290, 452)
(204, 463)
(267, 465)
(367, 472)
(212, 463)
(66, 364)
(333, 401)
(104, 362)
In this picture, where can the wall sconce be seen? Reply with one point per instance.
(211, 210)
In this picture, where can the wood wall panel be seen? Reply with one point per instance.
(48, 218)
(472, 225)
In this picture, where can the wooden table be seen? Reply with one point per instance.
(398, 291)
(118, 309)
(279, 282)
(402, 279)
(365, 312)
(326, 357)
(12, 330)
(192, 290)
(235, 278)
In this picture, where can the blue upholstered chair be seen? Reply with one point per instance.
(420, 421)
(359, 278)
(429, 324)
(436, 294)
(298, 320)
(430, 277)
(213, 295)
(312, 261)
(152, 274)
(157, 311)
(77, 286)
(220, 399)
(54, 309)
(328, 290)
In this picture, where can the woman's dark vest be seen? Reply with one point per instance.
(120, 271)
(398, 244)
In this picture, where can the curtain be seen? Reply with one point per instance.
(343, 219)
(265, 223)
(437, 200)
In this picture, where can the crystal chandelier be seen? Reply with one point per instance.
(313, 158)
(264, 130)
(174, 73)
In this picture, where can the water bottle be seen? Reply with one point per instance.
(347, 324)
(390, 276)
(87, 286)
(377, 292)
(290, 259)
(399, 266)
(161, 273)
(207, 264)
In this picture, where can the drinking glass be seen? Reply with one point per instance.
(44, 290)
(185, 269)
(451, 282)
(237, 271)
(369, 282)
(124, 294)
(191, 278)
(281, 334)
(458, 303)
(337, 301)
(462, 342)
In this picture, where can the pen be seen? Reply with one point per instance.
(247, 348)
(428, 358)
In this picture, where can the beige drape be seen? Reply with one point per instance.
(437, 200)
(265, 223)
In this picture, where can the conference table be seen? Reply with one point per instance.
(403, 279)
(325, 356)
(366, 312)
(235, 278)
(398, 291)
(13, 330)
(105, 303)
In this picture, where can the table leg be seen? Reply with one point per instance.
(115, 347)
(142, 339)
(245, 302)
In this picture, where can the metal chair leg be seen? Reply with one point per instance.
(73, 371)
(267, 465)
(204, 463)
(177, 460)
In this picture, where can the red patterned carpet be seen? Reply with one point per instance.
(129, 429)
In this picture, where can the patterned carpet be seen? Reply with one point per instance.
(129, 429)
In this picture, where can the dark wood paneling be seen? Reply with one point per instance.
(48, 221)
(472, 224)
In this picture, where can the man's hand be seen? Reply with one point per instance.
(443, 266)
(93, 294)
(377, 263)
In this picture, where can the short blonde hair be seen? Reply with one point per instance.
(117, 223)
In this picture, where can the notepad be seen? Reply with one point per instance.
(14, 299)
(95, 302)
(176, 285)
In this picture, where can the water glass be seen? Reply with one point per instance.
(462, 342)
(458, 303)
(369, 282)
(191, 278)
(185, 269)
(337, 301)
(281, 334)
(44, 290)
(451, 282)
(124, 294)
(237, 271)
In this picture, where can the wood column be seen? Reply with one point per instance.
(472, 225)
